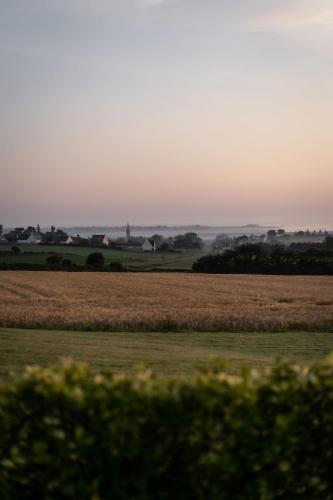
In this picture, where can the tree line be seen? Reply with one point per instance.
(263, 258)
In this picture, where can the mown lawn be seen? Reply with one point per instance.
(165, 353)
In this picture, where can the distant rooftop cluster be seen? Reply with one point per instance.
(157, 242)
(34, 235)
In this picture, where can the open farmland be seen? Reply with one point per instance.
(172, 354)
(165, 302)
(132, 260)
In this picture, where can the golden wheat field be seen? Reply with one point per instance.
(165, 301)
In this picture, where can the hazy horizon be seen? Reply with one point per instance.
(174, 226)
(166, 112)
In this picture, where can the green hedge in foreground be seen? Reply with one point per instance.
(68, 433)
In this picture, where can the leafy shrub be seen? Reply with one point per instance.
(117, 267)
(54, 260)
(67, 263)
(69, 433)
(95, 260)
(16, 250)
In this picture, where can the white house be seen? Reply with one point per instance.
(33, 239)
(99, 240)
(148, 246)
(69, 241)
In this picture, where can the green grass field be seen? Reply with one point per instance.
(145, 261)
(165, 353)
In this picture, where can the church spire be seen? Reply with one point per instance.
(128, 232)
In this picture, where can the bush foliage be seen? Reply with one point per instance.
(95, 260)
(259, 258)
(54, 260)
(117, 267)
(69, 433)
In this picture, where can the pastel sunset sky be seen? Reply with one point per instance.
(166, 111)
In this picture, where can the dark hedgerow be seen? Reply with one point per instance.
(69, 433)
(266, 259)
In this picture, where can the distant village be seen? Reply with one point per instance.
(34, 236)
(190, 240)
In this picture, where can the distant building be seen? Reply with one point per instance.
(12, 236)
(99, 240)
(148, 246)
(32, 239)
(77, 240)
(69, 241)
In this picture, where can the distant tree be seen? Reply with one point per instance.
(165, 247)
(54, 260)
(188, 240)
(271, 234)
(95, 260)
(38, 228)
(329, 242)
(268, 259)
(240, 240)
(157, 239)
(221, 242)
(251, 250)
(16, 250)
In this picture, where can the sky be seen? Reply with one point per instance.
(166, 112)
